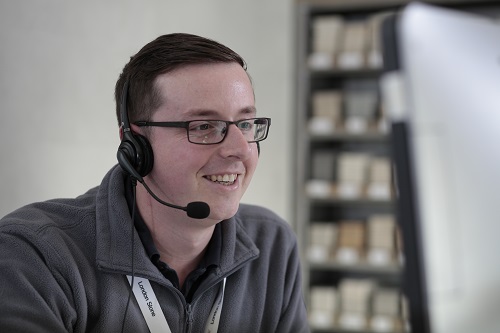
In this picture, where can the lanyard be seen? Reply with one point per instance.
(155, 319)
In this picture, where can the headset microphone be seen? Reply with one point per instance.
(135, 156)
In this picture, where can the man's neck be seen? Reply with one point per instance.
(182, 251)
(180, 242)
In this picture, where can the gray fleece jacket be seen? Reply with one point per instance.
(63, 267)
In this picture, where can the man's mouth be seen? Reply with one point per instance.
(225, 179)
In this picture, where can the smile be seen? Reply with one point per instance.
(226, 179)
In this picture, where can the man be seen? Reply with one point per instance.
(166, 220)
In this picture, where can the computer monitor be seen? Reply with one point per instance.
(441, 90)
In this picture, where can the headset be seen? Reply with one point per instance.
(135, 154)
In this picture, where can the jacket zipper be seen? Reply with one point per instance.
(189, 317)
(189, 306)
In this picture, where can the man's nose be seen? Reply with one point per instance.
(235, 143)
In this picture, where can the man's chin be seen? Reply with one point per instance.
(223, 213)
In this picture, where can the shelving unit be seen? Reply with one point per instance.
(352, 255)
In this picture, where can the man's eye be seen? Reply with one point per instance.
(201, 127)
(245, 125)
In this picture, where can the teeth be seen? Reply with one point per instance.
(226, 179)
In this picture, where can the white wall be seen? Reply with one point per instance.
(60, 59)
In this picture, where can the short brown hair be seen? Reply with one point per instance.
(162, 55)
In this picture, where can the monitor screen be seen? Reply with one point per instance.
(441, 90)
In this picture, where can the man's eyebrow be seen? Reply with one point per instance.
(204, 113)
(249, 110)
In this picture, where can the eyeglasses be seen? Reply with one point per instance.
(210, 132)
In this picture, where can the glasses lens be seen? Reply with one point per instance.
(206, 131)
(254, 129)
(213, 131)
(261, 129)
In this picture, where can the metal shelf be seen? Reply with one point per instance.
(360, 267)
(339, 136)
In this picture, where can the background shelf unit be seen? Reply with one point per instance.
(319, 202)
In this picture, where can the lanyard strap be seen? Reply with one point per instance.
(151, 310)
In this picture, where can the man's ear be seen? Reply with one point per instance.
(136, 129)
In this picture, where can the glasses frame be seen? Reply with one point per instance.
(185, 124)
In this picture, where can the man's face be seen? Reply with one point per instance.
(184, 172)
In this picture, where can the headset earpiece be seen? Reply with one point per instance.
(145, 164)
(135, 151)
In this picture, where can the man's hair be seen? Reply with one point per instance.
(164, 54)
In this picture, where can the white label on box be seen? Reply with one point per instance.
(379, 191)
(321, 319)
(318, 253)
(379, 257)
(347, 255)
(320, 60)
(380, 323)
(347, 190)
(356, 125)
(350, 60)
(317, 188)
(352, 321)
(321, 125)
